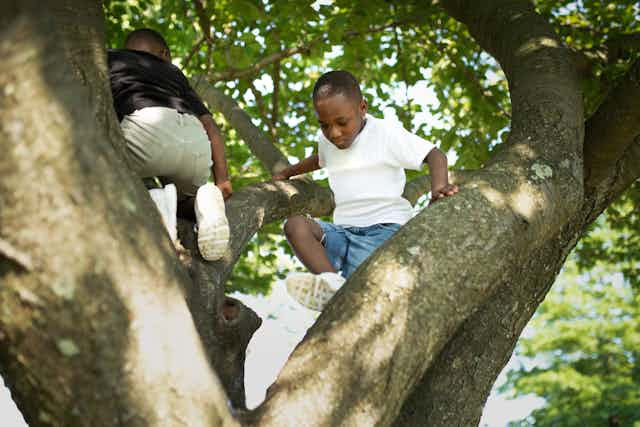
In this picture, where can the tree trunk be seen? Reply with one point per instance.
(454, 390)
(94, 325)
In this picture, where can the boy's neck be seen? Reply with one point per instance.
(364, 122)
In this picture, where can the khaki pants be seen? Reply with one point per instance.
(165, 143)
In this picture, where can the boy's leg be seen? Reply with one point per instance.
(166, 202)
(305, 237)
(175, 146)
(192, 178)
(168, 144)
(322, 257)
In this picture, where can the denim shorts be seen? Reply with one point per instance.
(347, 247)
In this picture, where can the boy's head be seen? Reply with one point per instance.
(340, 107)
(150, 41)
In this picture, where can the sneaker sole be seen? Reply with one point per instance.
(309, 290)
(213, 240)
(213, 230)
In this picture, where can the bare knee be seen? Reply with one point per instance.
(300, 227)
(296, 226)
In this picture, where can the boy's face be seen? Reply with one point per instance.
(341, 118)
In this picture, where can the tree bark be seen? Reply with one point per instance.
(612, 128)
(95, 330)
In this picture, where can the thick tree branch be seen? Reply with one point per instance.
(224, 324)
(454, 390)
(421, 185)
(612, 128)
(260, 146)
(253, 206)
(99, 329)
(628, 168)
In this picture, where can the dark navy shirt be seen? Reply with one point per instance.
(140, 79)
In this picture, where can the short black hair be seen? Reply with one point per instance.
(337, 82)
(146, 35)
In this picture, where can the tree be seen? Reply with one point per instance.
(583, 350)
(102, 323)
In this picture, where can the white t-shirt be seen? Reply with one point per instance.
(367, 179)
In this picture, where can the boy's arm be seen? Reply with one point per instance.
(220, 174)
(440, 187)
(309, 164)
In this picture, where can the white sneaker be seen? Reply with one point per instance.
(213, 227)
(313, 290)
(166, 200)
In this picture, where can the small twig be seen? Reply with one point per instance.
(193, 51)
(203, 19)
(275, 97)
(403, 65)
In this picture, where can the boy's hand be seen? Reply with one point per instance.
(442, 192)
(225, 188)
(279, 177)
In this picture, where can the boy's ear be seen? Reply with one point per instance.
(166, 54)
(363, 106)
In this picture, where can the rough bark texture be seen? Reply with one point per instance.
(612, 128)
(94, 326)
(96, 330)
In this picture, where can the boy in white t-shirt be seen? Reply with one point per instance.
(365, 158)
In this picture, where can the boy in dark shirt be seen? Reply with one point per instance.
(171, 134)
